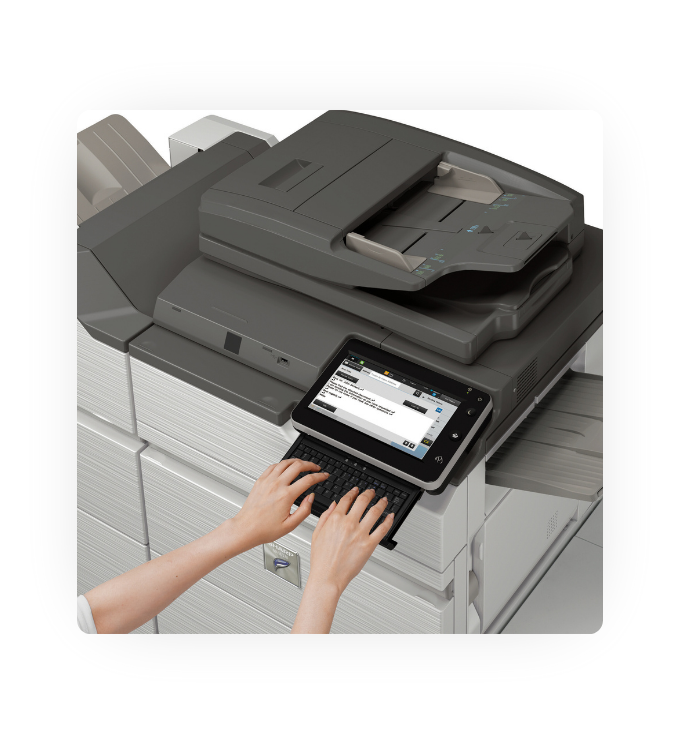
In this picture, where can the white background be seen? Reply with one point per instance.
(564, 145)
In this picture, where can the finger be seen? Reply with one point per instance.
(308, 481)
(279, 467)
(383, 529)
(294, 469)
(347, 500)
(361, 503)
(324, 517)
(300, 514)
(373, 514)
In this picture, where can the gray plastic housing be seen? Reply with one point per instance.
(513, 371)
(140, 244)
(226, 379)
(144, 240)
(459, 316)
(263, 325)
(348, 173)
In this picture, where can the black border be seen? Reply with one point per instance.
(426, 470)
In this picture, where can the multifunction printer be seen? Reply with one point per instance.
(413, 314)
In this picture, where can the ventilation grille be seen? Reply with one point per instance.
(527, 379)
(552, 524)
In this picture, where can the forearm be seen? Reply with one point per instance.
(130, 600)
(317, 608)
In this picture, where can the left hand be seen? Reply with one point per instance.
(266, 516)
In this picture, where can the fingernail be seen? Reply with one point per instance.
(311, 497)
(391, 515)
(384, 498)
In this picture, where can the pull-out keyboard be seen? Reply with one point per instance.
(346, 472)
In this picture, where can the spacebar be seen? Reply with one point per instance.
(319, 506)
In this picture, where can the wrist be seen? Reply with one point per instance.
(236, 537)
(324, 587)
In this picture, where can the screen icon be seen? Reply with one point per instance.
(439, 410)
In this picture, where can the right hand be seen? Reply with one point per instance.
(341, 544)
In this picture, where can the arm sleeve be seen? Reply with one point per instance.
(85, 620)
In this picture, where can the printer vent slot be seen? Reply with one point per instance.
(527, 379)
(552, 524)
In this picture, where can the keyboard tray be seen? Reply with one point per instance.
(557, 449)
(407, 493)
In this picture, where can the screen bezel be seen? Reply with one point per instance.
(427, 470)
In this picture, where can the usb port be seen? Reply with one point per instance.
(283, 362)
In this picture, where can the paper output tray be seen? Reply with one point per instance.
(557, 449)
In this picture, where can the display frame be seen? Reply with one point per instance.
(428, 472)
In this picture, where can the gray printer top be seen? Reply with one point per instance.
(360, 201)
(256, 329)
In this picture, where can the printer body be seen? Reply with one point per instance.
(214, 296)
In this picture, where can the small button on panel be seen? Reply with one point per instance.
(455, 436)
(471, 411)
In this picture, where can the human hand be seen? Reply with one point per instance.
(266, 514)
(341, 543)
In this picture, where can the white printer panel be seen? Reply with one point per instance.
(183, 504)
(514, 537)
(104, 553)
(213, 427)
(104, 384)
(205, 608)
(110, 478)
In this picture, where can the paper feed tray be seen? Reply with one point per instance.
(557, 449)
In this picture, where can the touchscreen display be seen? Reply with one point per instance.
(384, 404)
